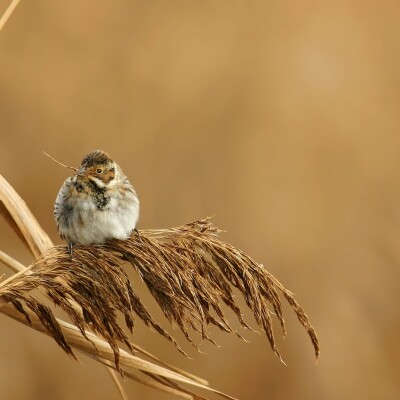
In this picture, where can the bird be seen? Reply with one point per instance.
(96, 204)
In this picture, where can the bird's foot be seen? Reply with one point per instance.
(70, 250)
(137, 233)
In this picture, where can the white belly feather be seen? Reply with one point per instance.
(80, 221)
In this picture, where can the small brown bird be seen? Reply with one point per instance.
(97, 203)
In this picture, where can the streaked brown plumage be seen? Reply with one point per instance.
(97, 203)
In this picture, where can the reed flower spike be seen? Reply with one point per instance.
(189, 271)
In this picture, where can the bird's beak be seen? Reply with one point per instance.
(81, 172)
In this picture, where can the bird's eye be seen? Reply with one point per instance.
(99, 170)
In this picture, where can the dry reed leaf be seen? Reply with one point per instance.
(96, 347)
(114, 377)
(10, 262)
(7, 14)
(163, 384)
(169, 366)
(22, 220)
(187, 269)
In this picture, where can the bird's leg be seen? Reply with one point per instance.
(137, 233)
(70, 249)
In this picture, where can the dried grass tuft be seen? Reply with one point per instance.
(189, 271)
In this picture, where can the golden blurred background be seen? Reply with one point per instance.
(281, 119)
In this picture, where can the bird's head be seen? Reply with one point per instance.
(99, 168)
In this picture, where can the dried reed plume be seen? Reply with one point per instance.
(188, 270)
